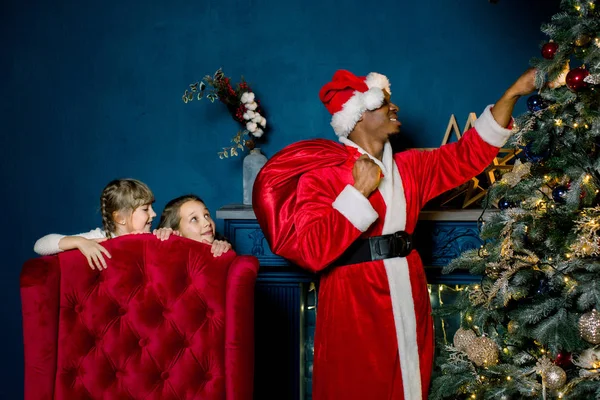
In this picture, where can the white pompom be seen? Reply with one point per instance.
(257, 118)
(251, 114)
(251, 126)
(244, 98)
(258, 132)
(246, 116)
(251, 106)
(263, 122)
(250, 97)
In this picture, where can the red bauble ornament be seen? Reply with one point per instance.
(575, 79)
(563, 359)
(549, 50)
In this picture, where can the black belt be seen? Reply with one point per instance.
(398, 244)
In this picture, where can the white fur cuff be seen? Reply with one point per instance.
(489, 130)
(356, 208)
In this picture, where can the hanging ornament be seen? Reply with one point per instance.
(513, 327)
(535, 103)
(483, 352)
(589, 359)
(559, 194)
(533, 156)
(463, 339)
(543, 287)
(504, 204)
(575, 79)
(563, 359)
(589, 327)
(555, 377)
(517, 173)
(560, 80)
(549, 50)
(582, 40)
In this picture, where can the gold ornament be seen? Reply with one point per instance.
(589, 327)
(463, 339)
(483, 352)
(582, 40)
(513, 327)
(588, 359)
(561, 80)
(555, 377)
(516, 175)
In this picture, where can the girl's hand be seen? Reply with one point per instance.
(165, 233)
(93, 251)
(219, 247)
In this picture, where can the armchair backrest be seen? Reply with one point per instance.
(166, 320)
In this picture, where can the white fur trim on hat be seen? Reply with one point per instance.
(379, 81)
(345, 120)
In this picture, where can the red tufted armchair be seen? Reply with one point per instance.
(166, 320)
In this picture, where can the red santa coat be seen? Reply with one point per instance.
(374, 335)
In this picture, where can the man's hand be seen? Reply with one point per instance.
(524, 85)
(502, 110)
(366, 175)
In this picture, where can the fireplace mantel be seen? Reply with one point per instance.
(283, 296)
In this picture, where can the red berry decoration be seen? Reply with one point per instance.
(563, 359)
(575, 79)
(549, 50)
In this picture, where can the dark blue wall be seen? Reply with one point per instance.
(92, 91)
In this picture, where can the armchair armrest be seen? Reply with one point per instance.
(239, 328)
(40, 297)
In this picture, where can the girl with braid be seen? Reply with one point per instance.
(126, 207)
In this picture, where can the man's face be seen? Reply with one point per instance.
(383, 121)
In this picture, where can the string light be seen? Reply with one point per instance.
(587, 178)
(566, 279)
(578, 7)
(558, 122)
(575, 125)
(508, 378)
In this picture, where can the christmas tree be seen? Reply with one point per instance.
(530, 329)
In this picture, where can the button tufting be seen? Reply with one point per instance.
(78, 308)
(122, 311)
(118, 374)
(143, 342)
(186, 343)
(209, 312)
(164, 376)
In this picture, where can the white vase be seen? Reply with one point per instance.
(253, 162)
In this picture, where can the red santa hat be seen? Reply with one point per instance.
(348, 96)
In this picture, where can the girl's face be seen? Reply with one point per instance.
(140, 220)
(196, 223)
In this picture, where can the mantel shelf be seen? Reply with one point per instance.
(241, 211)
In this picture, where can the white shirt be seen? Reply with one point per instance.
(48, 244)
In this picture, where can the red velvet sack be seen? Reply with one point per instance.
(274, 193)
